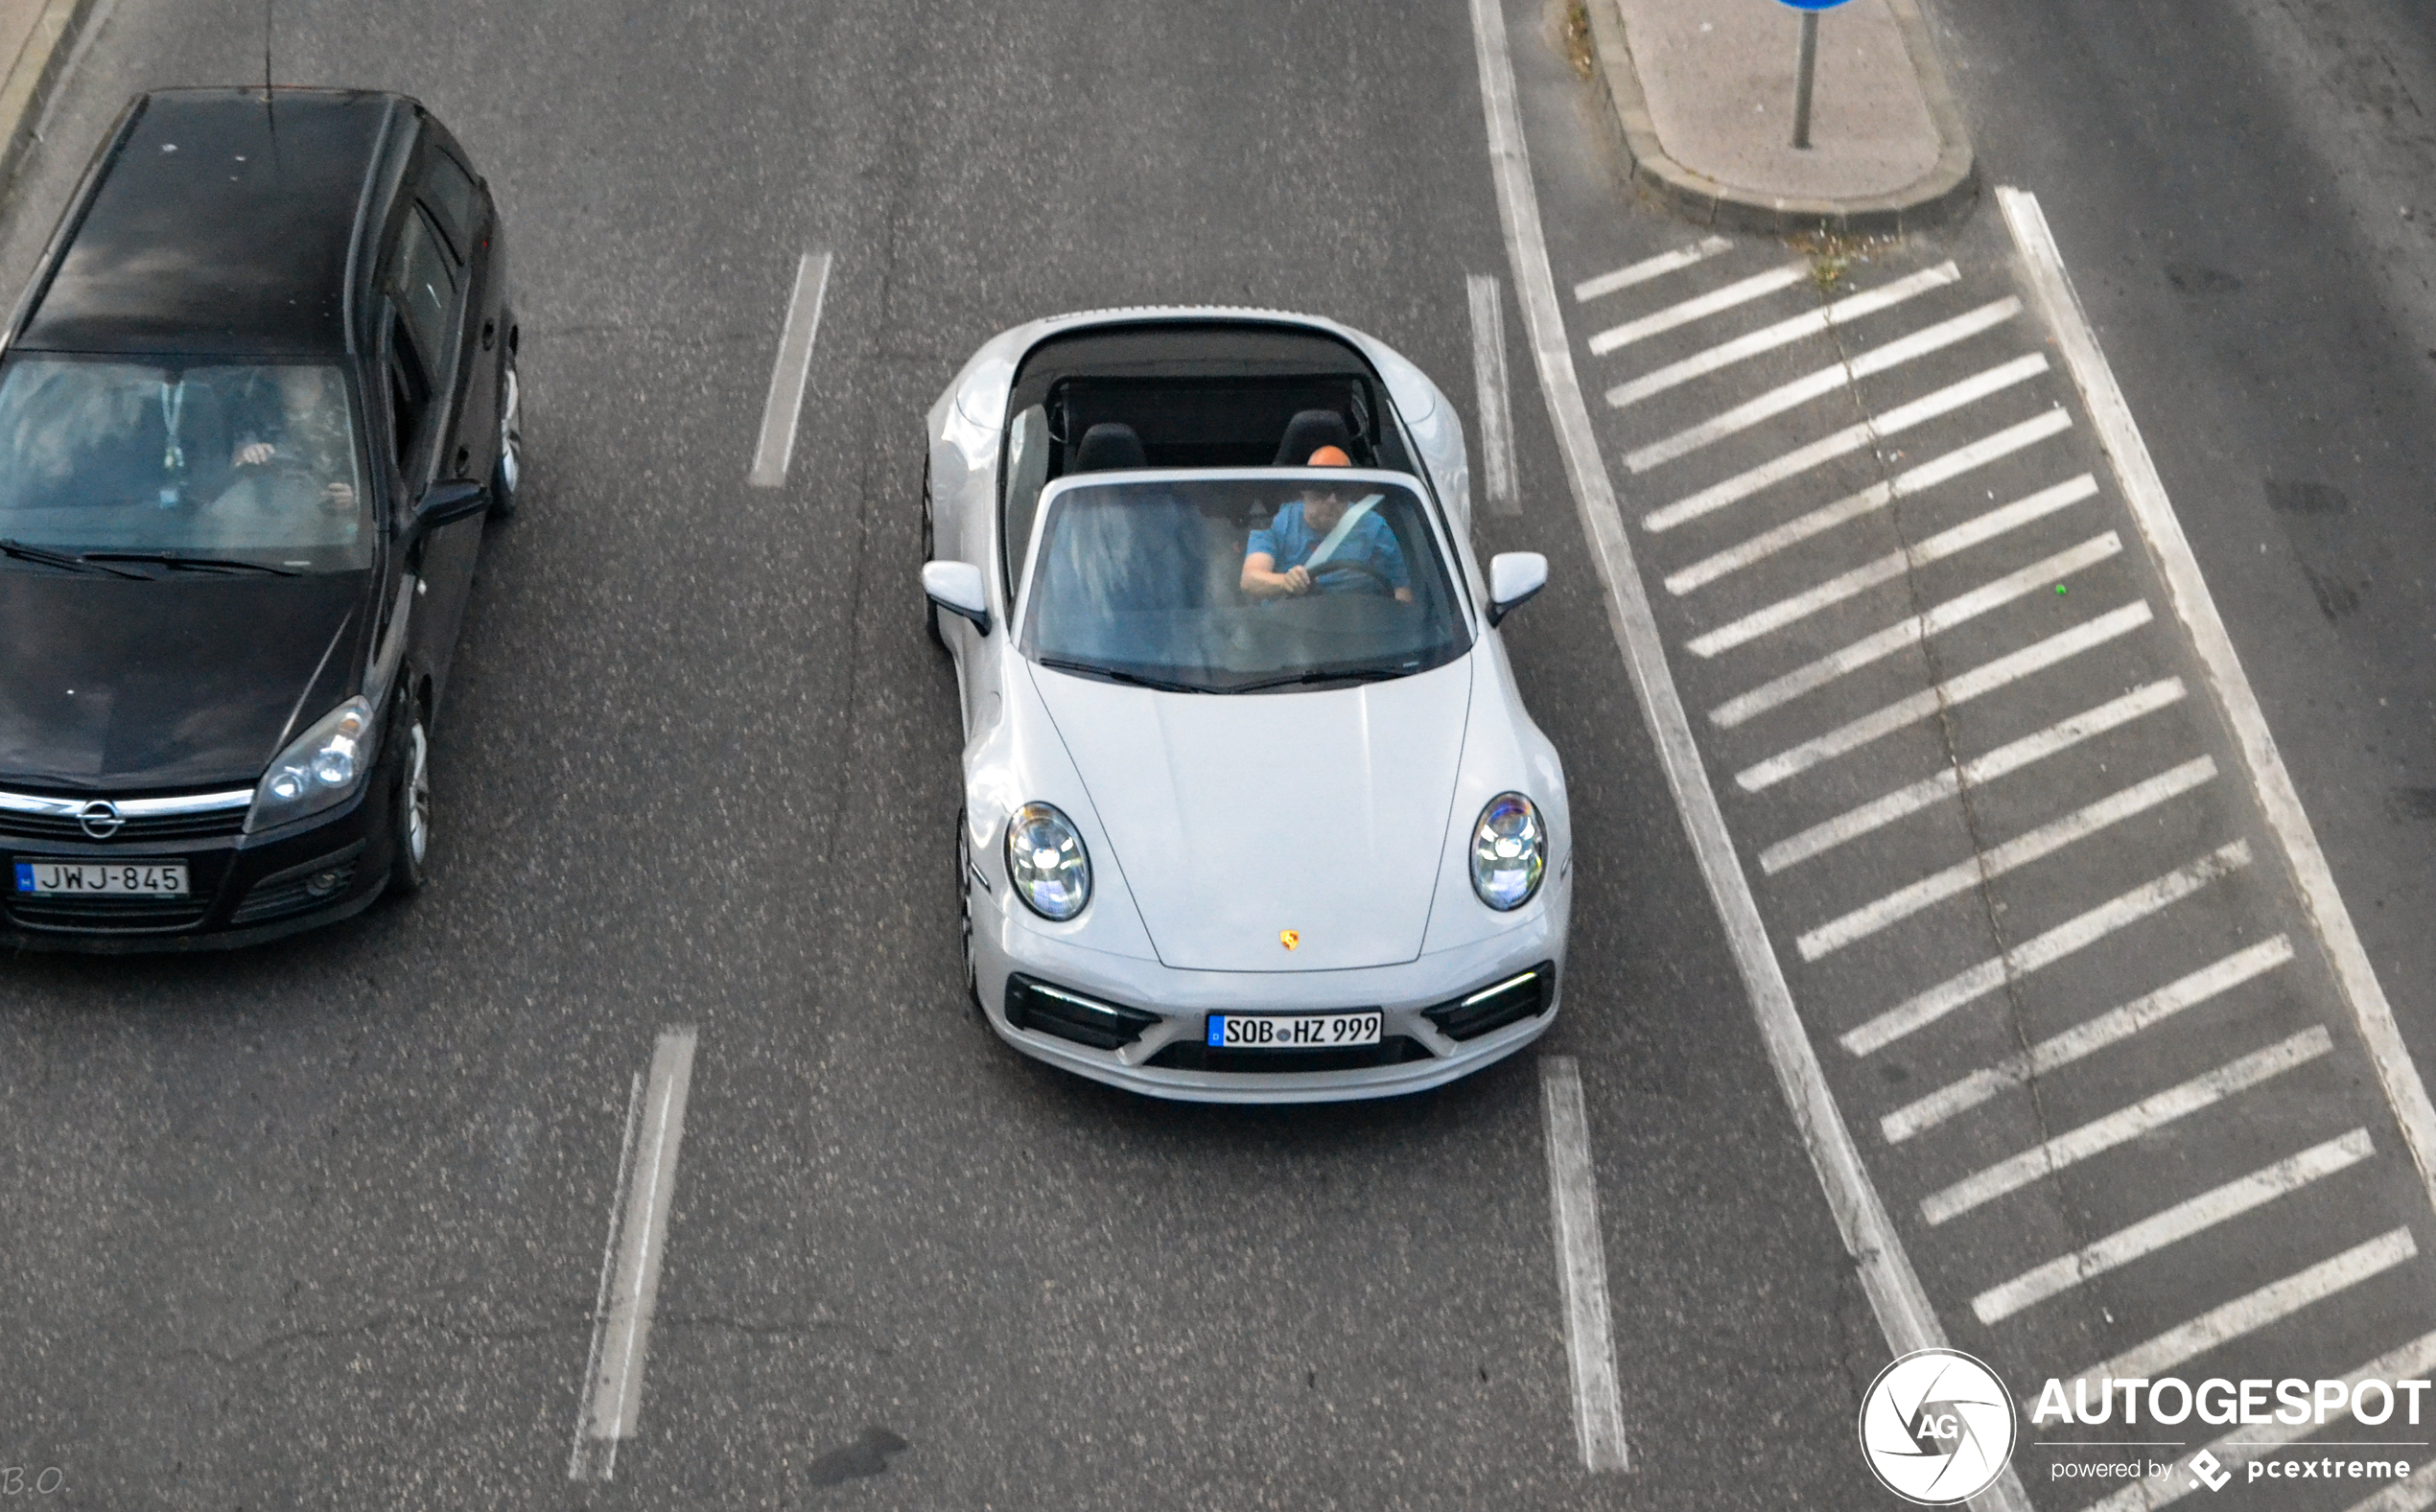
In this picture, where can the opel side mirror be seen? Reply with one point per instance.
(443, 504)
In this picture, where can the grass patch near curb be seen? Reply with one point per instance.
(1580, 50)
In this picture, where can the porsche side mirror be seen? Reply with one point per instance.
(1513, 576)
(443, 504)
(956, 587)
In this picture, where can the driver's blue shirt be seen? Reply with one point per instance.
(1290, 542)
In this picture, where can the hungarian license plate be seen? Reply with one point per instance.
(1292, 1030)
(120, 878)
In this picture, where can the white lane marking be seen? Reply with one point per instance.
(1784, 333)
(1757, 287)
(2174, 1224)
(2412, 1361)
(1649, 267)
(1582, 1267)
(1887, 569)
(1862, 1220)
(2086, 1039)
(1923, 1009)
(638, 1232)
(2014, 853)
(2255, 1311)
(2410, 1495)
(2187, 591)
(2011, 756)
(1984, 679)
(1935, 620)
(1826, 381)
(790, 372)
(1487, 298)
(1927, 475)
(2123, 1126)
(1845, 442)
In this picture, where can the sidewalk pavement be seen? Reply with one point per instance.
(37, 39)
(1704, 92)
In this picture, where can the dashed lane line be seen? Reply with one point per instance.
(1582, 1267)
(1867, 1230)
(1935, 620)
(1828, 379)
(2235, 1450)
(1996, 861)
(2086, 1039)
(2410, 1496)
(1487, 296)
(1878, 496)
(2188, 591)
(790, 371)
(2247, 1313)
(1649, 267)
(1843, 443)
(1987, 677)
(1784, 333)
(2178, 1222)
(2124, 1124)
(1923, 1009)
(1757, 287)
(1975, 531)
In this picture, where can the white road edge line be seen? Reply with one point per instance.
(2255, 1310)
(2410, 1496)
(1949, 781)
(790, 372)
(1699, 308)
(1582, 1267)
(1649, 267)
(630, 1271)
(1962, 688)
(2188, 593)
(1843, 443)
(1784, 333)
(1975, 531)
(1923, 1009)
(1996, 860)
(2085, 1038)
(2237, 1449)
(2123, 1126)
(1487, 298)
(2178, 1222)
(1868, 1233)
(1843, 373)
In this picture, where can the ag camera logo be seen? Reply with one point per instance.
(1936, 1426)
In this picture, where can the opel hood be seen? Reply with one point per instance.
(1241, 819)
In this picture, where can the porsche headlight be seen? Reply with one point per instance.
(1051, 870)
(320, 769)
(1510, 849)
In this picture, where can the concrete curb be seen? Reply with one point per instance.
(1944, 193)
(35, 74)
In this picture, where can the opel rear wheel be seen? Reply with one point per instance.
(414, 811)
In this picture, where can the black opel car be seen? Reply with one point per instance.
(253, 407)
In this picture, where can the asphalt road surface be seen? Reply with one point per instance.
(321, 1223)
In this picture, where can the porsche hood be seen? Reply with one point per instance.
(1242, 818)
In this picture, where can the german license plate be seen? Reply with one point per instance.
(120, 878)
(1293, 1031)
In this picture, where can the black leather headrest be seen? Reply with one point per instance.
(1108, 448)
(1309, 431)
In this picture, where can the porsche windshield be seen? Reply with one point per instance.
(149, 454)
(1291, 579)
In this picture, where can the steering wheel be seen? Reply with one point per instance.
(1379, 583)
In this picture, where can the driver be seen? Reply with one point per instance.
(1315, 521)
(307, 434)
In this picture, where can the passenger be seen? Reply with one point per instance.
(1295, 552)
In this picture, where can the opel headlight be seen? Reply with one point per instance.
(1510, 849)
(321, 769)
(1051, 870)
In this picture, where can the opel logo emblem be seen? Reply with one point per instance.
(101, 819)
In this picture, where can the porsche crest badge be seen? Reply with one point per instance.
(1289, 938)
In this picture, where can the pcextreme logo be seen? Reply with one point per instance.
(1936, 1426)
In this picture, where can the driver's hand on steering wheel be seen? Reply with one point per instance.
(253, 454)
(1297, 580)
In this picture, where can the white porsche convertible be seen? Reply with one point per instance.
(1253, 810)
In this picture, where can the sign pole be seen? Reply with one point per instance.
(1805, 69)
